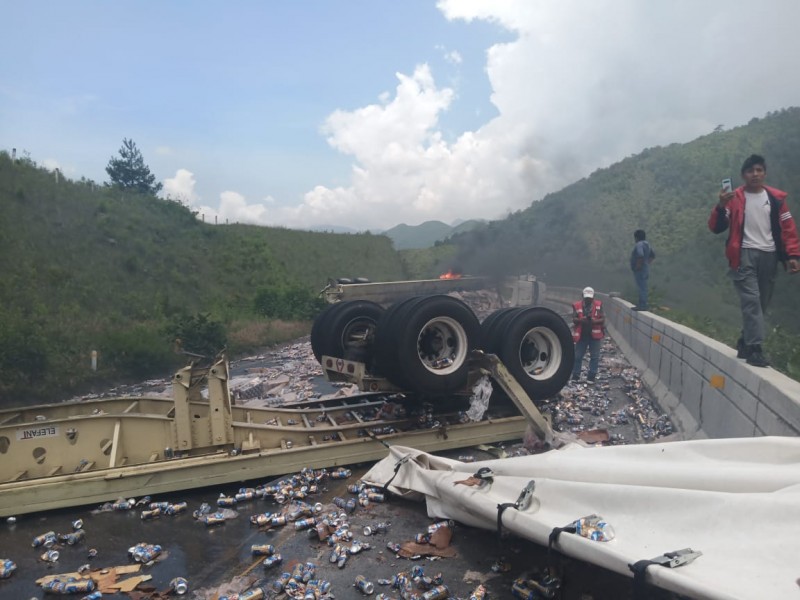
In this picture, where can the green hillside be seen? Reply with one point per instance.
(583, 234)
(88, 267)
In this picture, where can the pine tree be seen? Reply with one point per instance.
(129, 173)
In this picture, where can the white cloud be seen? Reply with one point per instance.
(164, 151)
(582, 85)
(182, 187)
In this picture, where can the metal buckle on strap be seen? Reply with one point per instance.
(677, 558)
(525, 496)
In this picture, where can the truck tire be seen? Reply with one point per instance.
(536, 348)
(433, 338)
(493, 323)
(346, 330)
(387, 357)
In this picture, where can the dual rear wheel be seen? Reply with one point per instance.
(423, 343)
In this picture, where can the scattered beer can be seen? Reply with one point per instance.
(479, 593)
(262, 549)
(46, 539)
(95, 595)
(341, 473)
(77, 524)
(7, 568)
(440, 592)
(77, 586)
(50, 556)
(73, 538)
(273, 560)
(148, 515)
(280, 583)
(364, 585)
(179, 585)
(176, 508)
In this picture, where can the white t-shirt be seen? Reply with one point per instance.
(757, 228)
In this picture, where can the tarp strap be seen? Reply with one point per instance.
(639, 569)
(501, 508)
(522, 503)
(669, 560)
(553, 539)
(397, 466)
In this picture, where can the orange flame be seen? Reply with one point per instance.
(450, 275)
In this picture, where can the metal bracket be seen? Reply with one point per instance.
(525, 496)
(677, 558)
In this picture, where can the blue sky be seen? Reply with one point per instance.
(372, 113)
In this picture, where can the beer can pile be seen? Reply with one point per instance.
(144, 553)
(415, 585)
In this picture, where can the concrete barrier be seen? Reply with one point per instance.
(697, 381)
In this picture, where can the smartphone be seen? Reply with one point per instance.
(727, 185)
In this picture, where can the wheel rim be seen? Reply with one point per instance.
(442, 345)
(540, 353)
(357, 333)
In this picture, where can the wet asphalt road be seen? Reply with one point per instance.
(217, 560)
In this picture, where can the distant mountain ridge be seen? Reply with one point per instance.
(425, 235)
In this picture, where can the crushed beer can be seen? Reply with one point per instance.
(123, 504)
(50, 556)
(144, 553)
(272, 560)
(226, 501)
(340, 473)
(479, 593)
(594, 527)
(309, 571)
(356, 488)
(305, 523)
(261, 520)
(77, 586)
(148, 515)
(440, 592)
(214, 519)
(46, 539)
(364, 585)
(280, 583)
(7, 568)
(176, 508)
(376, 497)
(73, 538)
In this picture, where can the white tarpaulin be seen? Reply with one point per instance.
(735, 500)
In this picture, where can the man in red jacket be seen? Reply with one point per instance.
(761, 233)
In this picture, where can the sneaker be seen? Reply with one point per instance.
(640, 308)
(756, 357)
(590, 379)
(576, 378)
(742, 351)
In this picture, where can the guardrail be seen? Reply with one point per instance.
(698, 381)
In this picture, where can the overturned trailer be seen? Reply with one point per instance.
(74, 453)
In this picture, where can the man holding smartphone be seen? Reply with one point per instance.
(761, 233)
